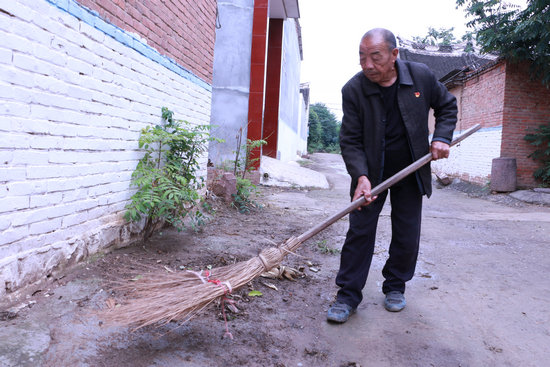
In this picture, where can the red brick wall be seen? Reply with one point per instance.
(183, 30)
(481, 99)
(526, 106)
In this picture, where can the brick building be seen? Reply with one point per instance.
(501, 97)
(79, 79)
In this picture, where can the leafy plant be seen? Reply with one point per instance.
(516, 34)
(243, 164)
(166, 177)
(242, 200)
(437, 37)
(540, 138)
(324, 249)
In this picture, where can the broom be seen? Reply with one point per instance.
(161, 297)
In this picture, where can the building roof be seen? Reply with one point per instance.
(444, 61)
(282, 9)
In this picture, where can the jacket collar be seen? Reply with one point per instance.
(404, 74)
(372, 88)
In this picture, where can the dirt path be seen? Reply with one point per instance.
(479, 297)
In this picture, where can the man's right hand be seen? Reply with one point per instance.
(363, 189)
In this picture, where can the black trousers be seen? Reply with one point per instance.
(357, 252)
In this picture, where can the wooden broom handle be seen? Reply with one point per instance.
(382, 187)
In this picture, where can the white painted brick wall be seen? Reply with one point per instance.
(73, 101)
(474, 155)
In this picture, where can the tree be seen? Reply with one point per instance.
(515, 34)
(441, 37)
(324, 129)
(314, 139)
(470, 38)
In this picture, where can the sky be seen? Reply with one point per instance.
(331, 31)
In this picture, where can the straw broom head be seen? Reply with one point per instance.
(160, 297)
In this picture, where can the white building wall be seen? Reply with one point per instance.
(472, 159)
(231, 79)
(74, 94)
(290, 144)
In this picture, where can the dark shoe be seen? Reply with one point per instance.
(395, 301)
(339, 312)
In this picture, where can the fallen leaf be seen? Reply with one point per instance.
(111, 303)
(274, 273)
(282, 272)
(289, 275)
(231, 307)
(270, 285)
(255, 294)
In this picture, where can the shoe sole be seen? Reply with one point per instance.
(337, 321)
(340, 321)
(394, 309)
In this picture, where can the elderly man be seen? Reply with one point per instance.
(384, 129)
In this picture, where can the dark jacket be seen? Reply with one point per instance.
(363, 124)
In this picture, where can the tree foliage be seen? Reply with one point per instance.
(437, 37)
(324, 130)
(516, 34)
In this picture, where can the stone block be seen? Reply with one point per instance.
(222, 184)
(503, 174)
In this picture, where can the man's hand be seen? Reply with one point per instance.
(439, 150)
(363, 189)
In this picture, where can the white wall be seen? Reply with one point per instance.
(290, 144)
(472, 159)
(231, 80)
(73, 100)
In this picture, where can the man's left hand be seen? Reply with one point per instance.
(439, 150)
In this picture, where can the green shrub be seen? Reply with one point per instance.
(243, 199)
(166, 177)
(243, 164)
(540, 138)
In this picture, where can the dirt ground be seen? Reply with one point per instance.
(480, 295)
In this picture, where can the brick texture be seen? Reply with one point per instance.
(508, 104)
(526, 106)
(482, 99)
(183, 30)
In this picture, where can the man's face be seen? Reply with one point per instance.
(377, 61)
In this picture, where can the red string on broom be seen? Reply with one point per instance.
(224, 298)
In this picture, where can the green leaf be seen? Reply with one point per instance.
(255, 294)
(136, 278)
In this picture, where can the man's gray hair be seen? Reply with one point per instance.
(387, 35)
